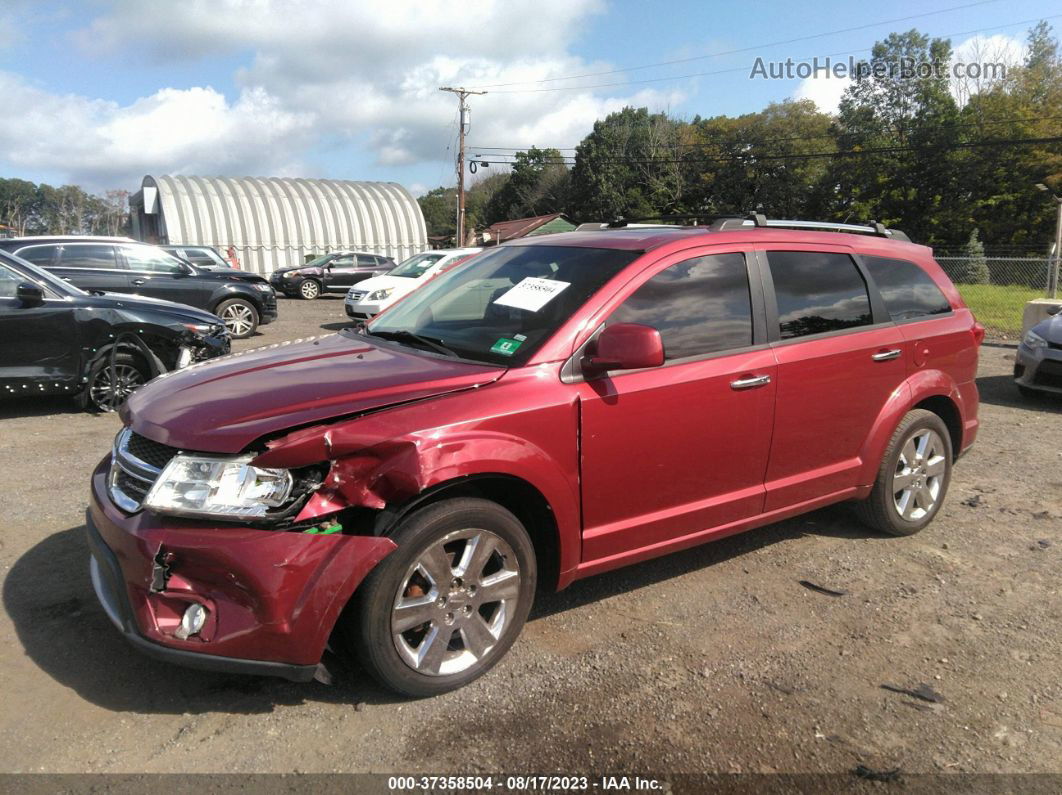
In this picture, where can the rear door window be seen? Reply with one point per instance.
(818, 292)
(87, 255)
(907, 290)
(42, 256)
(145, 258)
(699, 306)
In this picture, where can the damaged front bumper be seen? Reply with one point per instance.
(271, 597)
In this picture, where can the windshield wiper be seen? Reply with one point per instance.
(408, 336)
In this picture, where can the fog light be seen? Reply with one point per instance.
(192, 621)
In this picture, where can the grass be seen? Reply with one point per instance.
(998, 306)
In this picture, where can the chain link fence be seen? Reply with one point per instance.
(997, 288)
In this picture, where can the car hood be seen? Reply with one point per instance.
(223, 405)
(181, 312)
(1050, 329)
(400, 284)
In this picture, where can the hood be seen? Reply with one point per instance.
(1050, 329)
(400, 284)
(142, 302)
(223, 405)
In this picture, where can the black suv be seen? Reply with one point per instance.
(120, 265)
(329, 273)
(57, 339)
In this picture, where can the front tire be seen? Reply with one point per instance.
(310, 289)
(108, 389)
(913, 478)
(444, 607)
(239, 316)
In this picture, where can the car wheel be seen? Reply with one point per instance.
(109, 387)
(239, 316)
(309, 289)
(913, 478)
(446, 605)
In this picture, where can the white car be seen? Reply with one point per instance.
(370, 297)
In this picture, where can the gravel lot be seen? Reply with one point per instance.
(715, 659)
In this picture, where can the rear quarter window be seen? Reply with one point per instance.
(908, 291)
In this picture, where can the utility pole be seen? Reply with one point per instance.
(462, 95)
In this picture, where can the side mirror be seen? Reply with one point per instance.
(1054, 310)
(626, 346)
(29, 294)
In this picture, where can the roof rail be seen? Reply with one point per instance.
(760, 220)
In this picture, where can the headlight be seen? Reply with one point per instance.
(224, 487)
(291, 274)
(199, 328)
(380, 295)
(265, 288)
(1034, 340)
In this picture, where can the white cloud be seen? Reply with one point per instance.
(824, 89)
(362, 74)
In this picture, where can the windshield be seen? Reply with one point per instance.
(316, 262)
(415, 267)
(45, 279)
(500, 306)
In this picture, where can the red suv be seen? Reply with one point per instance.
(550, 409)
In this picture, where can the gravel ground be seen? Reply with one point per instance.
(715, 659)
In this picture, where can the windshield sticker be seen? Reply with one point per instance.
(532, 293)
(506, 346)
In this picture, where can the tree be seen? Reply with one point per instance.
(19, 205)
(439, 207)
(538, 184)
(975, 269)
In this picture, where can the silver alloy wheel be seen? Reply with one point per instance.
(309, 289)
(455, 602)
(106, 398)
(919, 475)
(238, 319)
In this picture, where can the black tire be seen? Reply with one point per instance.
(98, 394)
(310, 289)
(880, 510)
(366, 627)
(240, 317)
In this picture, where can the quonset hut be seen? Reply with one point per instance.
(273, 222)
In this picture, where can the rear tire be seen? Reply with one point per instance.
(310, 289)
(239, 316)
(913, 477)
(444, 607)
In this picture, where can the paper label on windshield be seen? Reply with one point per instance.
(532, 293)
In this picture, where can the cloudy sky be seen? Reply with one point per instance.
(101, 92)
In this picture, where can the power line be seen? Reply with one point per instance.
(740, 50)
(506, 150)
(745, 68)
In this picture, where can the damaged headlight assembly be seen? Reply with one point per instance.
(208, 486)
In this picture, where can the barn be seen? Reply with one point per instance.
(272, 222)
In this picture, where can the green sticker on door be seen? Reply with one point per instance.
(506, 346)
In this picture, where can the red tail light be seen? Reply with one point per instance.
(978, 333)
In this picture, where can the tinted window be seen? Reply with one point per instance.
(907, 289)
(39, 255)
(147, 258)
(87, 256)
(699, 306)
(817, 291)
(342, 262)
(366, 261)
(9, 281)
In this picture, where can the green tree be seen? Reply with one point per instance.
(975, 269)
(538, 184)
(439, 209)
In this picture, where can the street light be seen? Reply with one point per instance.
(1052, 273)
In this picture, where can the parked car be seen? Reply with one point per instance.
(330, 273)
(554, 408)
(119, 265)
(203, 257)
(1038, 363)
(372, 296)
(58, 339)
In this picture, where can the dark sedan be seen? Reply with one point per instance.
(120, 265)
(330, 273)
(57, 339)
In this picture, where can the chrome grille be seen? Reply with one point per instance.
(135, 465)
(356, 295)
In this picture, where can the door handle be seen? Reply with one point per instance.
(750, 383)
(138, 282)
(884, 356)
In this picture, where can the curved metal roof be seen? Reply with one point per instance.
(276, 221)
